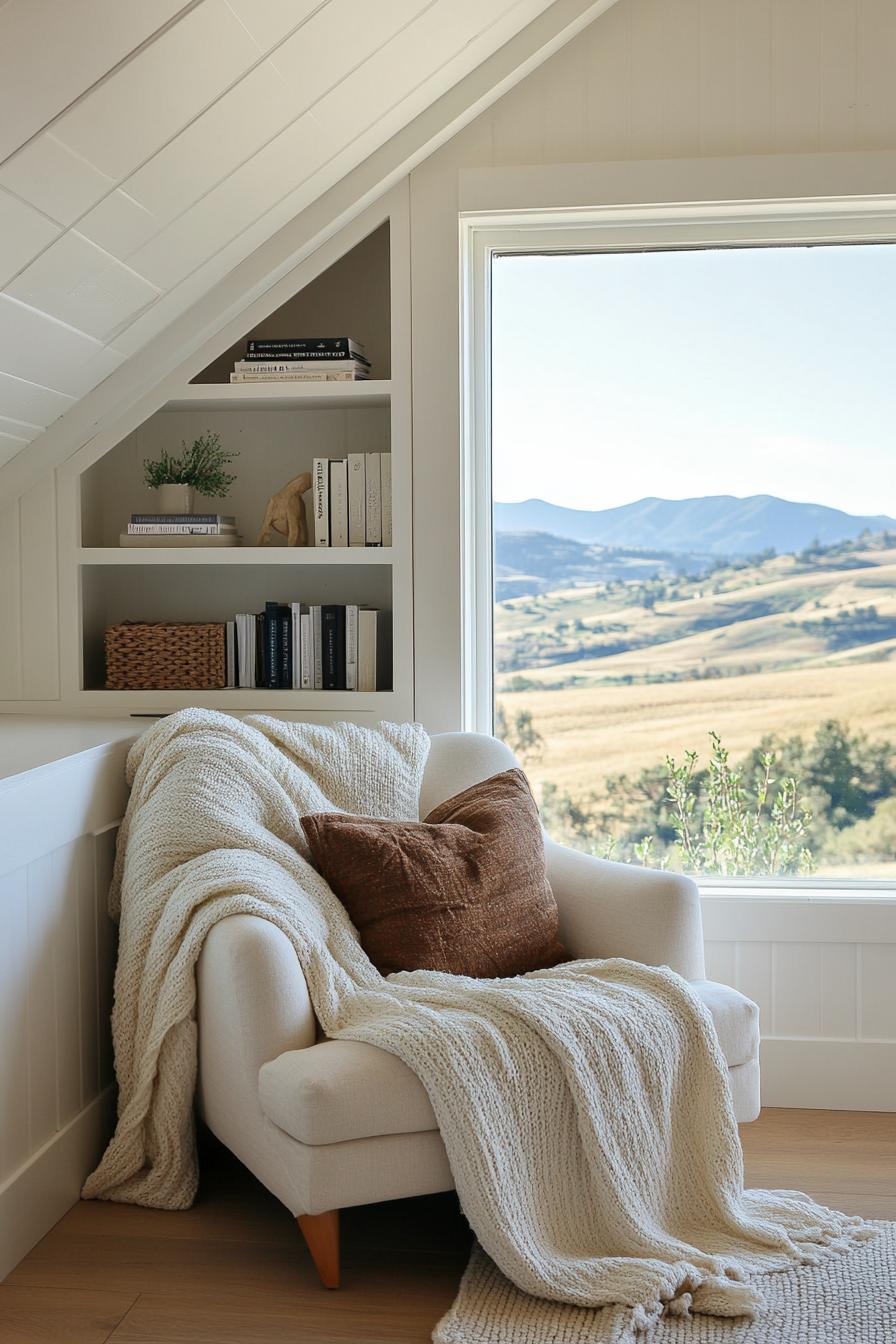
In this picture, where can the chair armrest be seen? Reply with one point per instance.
(619, 910)
(252, 1005)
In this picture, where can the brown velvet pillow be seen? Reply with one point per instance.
(463, 891)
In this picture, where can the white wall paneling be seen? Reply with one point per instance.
(29, 616)
(822, 971)
(57, 957)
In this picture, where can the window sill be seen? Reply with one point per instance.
(810, 889)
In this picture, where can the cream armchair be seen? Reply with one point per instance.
(328, 1124)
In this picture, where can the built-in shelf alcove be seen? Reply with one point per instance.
(355, 285)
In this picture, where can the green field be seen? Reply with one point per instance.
(620, 673)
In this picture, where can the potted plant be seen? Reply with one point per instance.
(200, 468)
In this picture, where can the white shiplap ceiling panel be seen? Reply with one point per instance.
(146, 149)
(52, 178)
(53, 50)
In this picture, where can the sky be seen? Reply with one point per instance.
(740, 371)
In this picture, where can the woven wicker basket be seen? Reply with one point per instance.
(182, 656)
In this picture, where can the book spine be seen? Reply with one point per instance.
(320, 468)
(386, 497)
(315, 366)
(284, 680)
(340, 648)
(356, 510)
(231, 653)
(330, 646)
(317, 646)
(374, 522)
(366, 650)
(295, 645)
(315, 376)
(246, 639)
(183, 519)
(383, 650)
(306, 648)
(338, 502)
(351, 647)
(321, 346)
(271, 668)
(179, 530)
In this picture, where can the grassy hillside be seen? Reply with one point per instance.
(780, 613)
(592, 734)
(618, 674)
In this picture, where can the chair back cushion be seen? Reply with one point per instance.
(457, 760)
(464, 891)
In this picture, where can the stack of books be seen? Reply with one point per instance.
(312, 359)
(351, 499)
(180, 529)
(310, 648)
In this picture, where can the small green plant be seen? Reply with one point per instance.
(200, 465)
(732, 831)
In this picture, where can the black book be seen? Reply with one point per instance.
(260, 662)
(318, 356)
(272, 645)
(337, 347)
(332, 638)
(284, 679)
(188, 519)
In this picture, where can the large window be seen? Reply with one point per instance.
(693, 461)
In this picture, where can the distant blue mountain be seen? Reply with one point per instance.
(711, 524)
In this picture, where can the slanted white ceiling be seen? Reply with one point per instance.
(145, 149)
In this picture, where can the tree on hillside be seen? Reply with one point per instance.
(519, 732)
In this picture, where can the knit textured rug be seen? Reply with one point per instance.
(847, 1299)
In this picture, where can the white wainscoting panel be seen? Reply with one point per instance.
(823, 972)
(57, 958)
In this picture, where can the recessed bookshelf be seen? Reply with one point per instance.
(114, 593)
(277, 429)
(274, 445)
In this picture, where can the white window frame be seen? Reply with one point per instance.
(605, 228)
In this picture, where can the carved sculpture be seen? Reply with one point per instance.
(286, 513)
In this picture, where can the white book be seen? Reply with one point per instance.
(357, 513)
(313, 377)
(374, 650)
(245, 633)
(230, 645)
(316, 366)
(338, 502)
(320, 494)
(180, 529)
(386, 496)
(317, 648)
(296, 644)
(374, 523)
(307, 653)
(351, 647)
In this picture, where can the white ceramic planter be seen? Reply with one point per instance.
(175, 499)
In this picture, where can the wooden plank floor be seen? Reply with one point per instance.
(233, 1269)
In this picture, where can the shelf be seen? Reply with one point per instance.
(243, 700)
(281, 397)
(235, 555)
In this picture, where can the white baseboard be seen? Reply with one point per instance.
(828, 1075)
(39, 1193)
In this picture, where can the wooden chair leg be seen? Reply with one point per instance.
(321, 1232)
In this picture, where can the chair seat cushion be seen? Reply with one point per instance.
(340, 1090)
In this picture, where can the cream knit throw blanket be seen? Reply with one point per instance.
(585, 1109)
